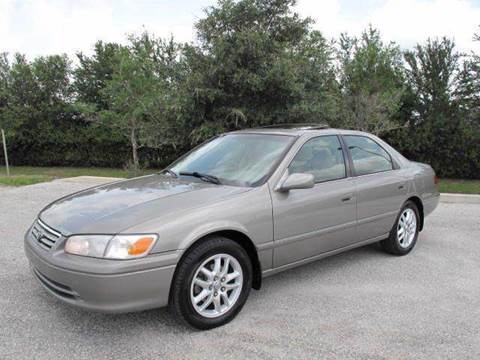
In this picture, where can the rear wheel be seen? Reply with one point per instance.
(404, 233)
(211, 283)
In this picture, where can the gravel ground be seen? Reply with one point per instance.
(363, 304)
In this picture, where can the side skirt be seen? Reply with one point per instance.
(274, 271)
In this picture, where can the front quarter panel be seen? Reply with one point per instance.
(249, 213)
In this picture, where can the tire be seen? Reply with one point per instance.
(225, 294)
(397, 244)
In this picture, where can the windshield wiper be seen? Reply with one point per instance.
(170, 172)
(205, 177)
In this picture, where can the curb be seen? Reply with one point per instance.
(459, 198)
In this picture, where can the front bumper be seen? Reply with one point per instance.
(112, 287)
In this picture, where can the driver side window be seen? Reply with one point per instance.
(321, 156)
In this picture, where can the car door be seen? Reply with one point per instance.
(308, 222)
(381, 189)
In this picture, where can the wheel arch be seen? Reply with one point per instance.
(418, 202)
(244, 241)
(241, 239)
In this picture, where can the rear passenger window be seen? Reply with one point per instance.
(322, 157)
(368, 157)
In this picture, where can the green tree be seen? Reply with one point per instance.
(432, 73)
(439, 132)
(255, 62)
(4, 96)
(372, 82)
(468, 91)
(40, 94)
(4, 87)
(38, 113)
(93, 72)
(258, 63)
(140, 96)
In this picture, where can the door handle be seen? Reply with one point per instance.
(400, 187)
(346, 198)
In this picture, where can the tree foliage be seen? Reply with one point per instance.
(439, 130)
(140, 95)
(93, 72)
(258, 63)
(254, 63)
(372, 82)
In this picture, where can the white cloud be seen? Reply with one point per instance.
(405, 21)
(61, 27)
(39, 27)
(5, 20)
(411, 21)
(329, 17)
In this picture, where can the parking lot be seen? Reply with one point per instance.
(363, 304)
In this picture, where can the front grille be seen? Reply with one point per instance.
(55, 287)
(45, 236)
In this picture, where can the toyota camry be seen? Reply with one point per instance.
(200, 234)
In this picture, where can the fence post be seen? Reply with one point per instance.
(5, 152)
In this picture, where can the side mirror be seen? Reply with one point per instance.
(298, 181)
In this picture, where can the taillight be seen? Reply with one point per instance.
(435, 179)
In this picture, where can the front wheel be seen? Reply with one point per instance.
(404, 233)
(211, 284)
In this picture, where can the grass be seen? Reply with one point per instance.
(27, 175)
(459, 186)
(20, 180)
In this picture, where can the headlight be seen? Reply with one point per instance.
(87, 245)
(110, 247)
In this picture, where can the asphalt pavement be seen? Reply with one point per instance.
(362, 304)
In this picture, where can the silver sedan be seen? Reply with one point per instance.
(247, 204)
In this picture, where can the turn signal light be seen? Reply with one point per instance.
(141, 245)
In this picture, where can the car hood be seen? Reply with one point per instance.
(118, 206)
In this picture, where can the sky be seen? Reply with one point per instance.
(42, 27)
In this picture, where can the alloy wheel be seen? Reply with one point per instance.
(216, 285)
(407, 228)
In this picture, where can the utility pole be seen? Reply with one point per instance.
(5, 152)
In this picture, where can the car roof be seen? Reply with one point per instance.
(297, 130)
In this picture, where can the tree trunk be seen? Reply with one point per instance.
(133, 141)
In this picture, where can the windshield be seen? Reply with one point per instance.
(236, 159)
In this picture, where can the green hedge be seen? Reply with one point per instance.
(73, 142)
(452, 152)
